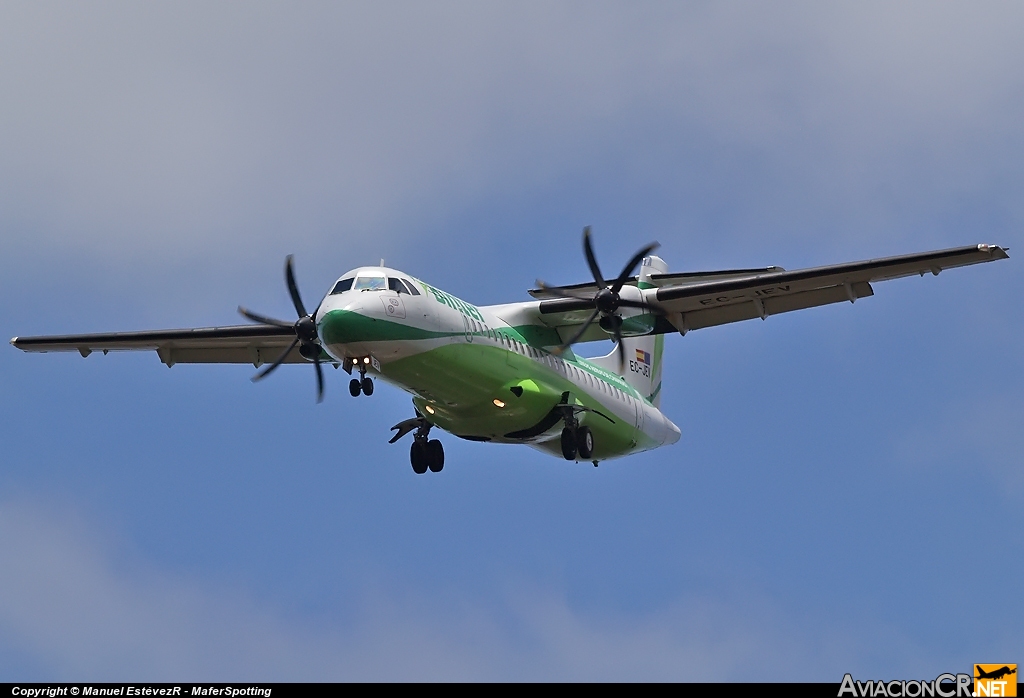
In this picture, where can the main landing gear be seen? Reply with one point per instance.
(577, 441)
(425, 453)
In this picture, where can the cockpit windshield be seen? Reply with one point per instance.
(370, 282)
(342, 286)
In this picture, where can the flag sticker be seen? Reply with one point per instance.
(643, 357)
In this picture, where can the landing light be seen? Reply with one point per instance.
(498, 403)
(366, 360)
(430, 410)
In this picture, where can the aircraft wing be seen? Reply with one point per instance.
(240, 344)
(708, 302)
(590, 288)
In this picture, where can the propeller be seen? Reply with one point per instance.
(305, 332)
(607, 300)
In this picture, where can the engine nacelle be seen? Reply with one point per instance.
(632, 322)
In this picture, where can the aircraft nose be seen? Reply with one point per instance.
(338, 320)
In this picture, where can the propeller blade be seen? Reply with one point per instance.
(280, 360)
(293, 289)
(319, 380)
(256, 317)
(627, 271)
(576, 337)
(644, 306)
(588, 250)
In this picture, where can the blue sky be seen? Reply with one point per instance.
(847, 491)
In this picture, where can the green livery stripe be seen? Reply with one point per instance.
(342, 327)
(654, 394)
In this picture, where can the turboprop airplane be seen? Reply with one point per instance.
(508, 373)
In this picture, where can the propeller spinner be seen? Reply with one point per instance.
(305, 332)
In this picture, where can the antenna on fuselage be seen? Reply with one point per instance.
(382, 261)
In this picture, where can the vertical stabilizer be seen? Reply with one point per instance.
(642, 368)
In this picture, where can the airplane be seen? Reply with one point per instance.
(996, 674)
(509, 373)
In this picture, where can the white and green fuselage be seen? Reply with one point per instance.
(495, 373)
(488, 373)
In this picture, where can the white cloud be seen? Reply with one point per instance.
(183, 129)
(81, 611)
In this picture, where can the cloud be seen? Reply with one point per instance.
(80, 610)
(189, 129)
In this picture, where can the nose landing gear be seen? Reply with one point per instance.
(363, 384)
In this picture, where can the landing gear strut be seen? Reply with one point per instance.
(363, 384)
(576, 441)
(425, 453)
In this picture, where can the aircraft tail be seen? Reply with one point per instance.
(643, 355)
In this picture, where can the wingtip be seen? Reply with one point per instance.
(14, 341)
(996, 249)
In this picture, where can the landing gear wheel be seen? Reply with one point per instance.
(585, 442)
(568, 444)
(418, 455)
(435, 455)
(354, 388)
(367, 386)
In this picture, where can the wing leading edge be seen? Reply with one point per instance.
(239, 344)
(701, 300)
(706, 303)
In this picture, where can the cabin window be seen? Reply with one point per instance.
(342, 286)
(370, 282)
